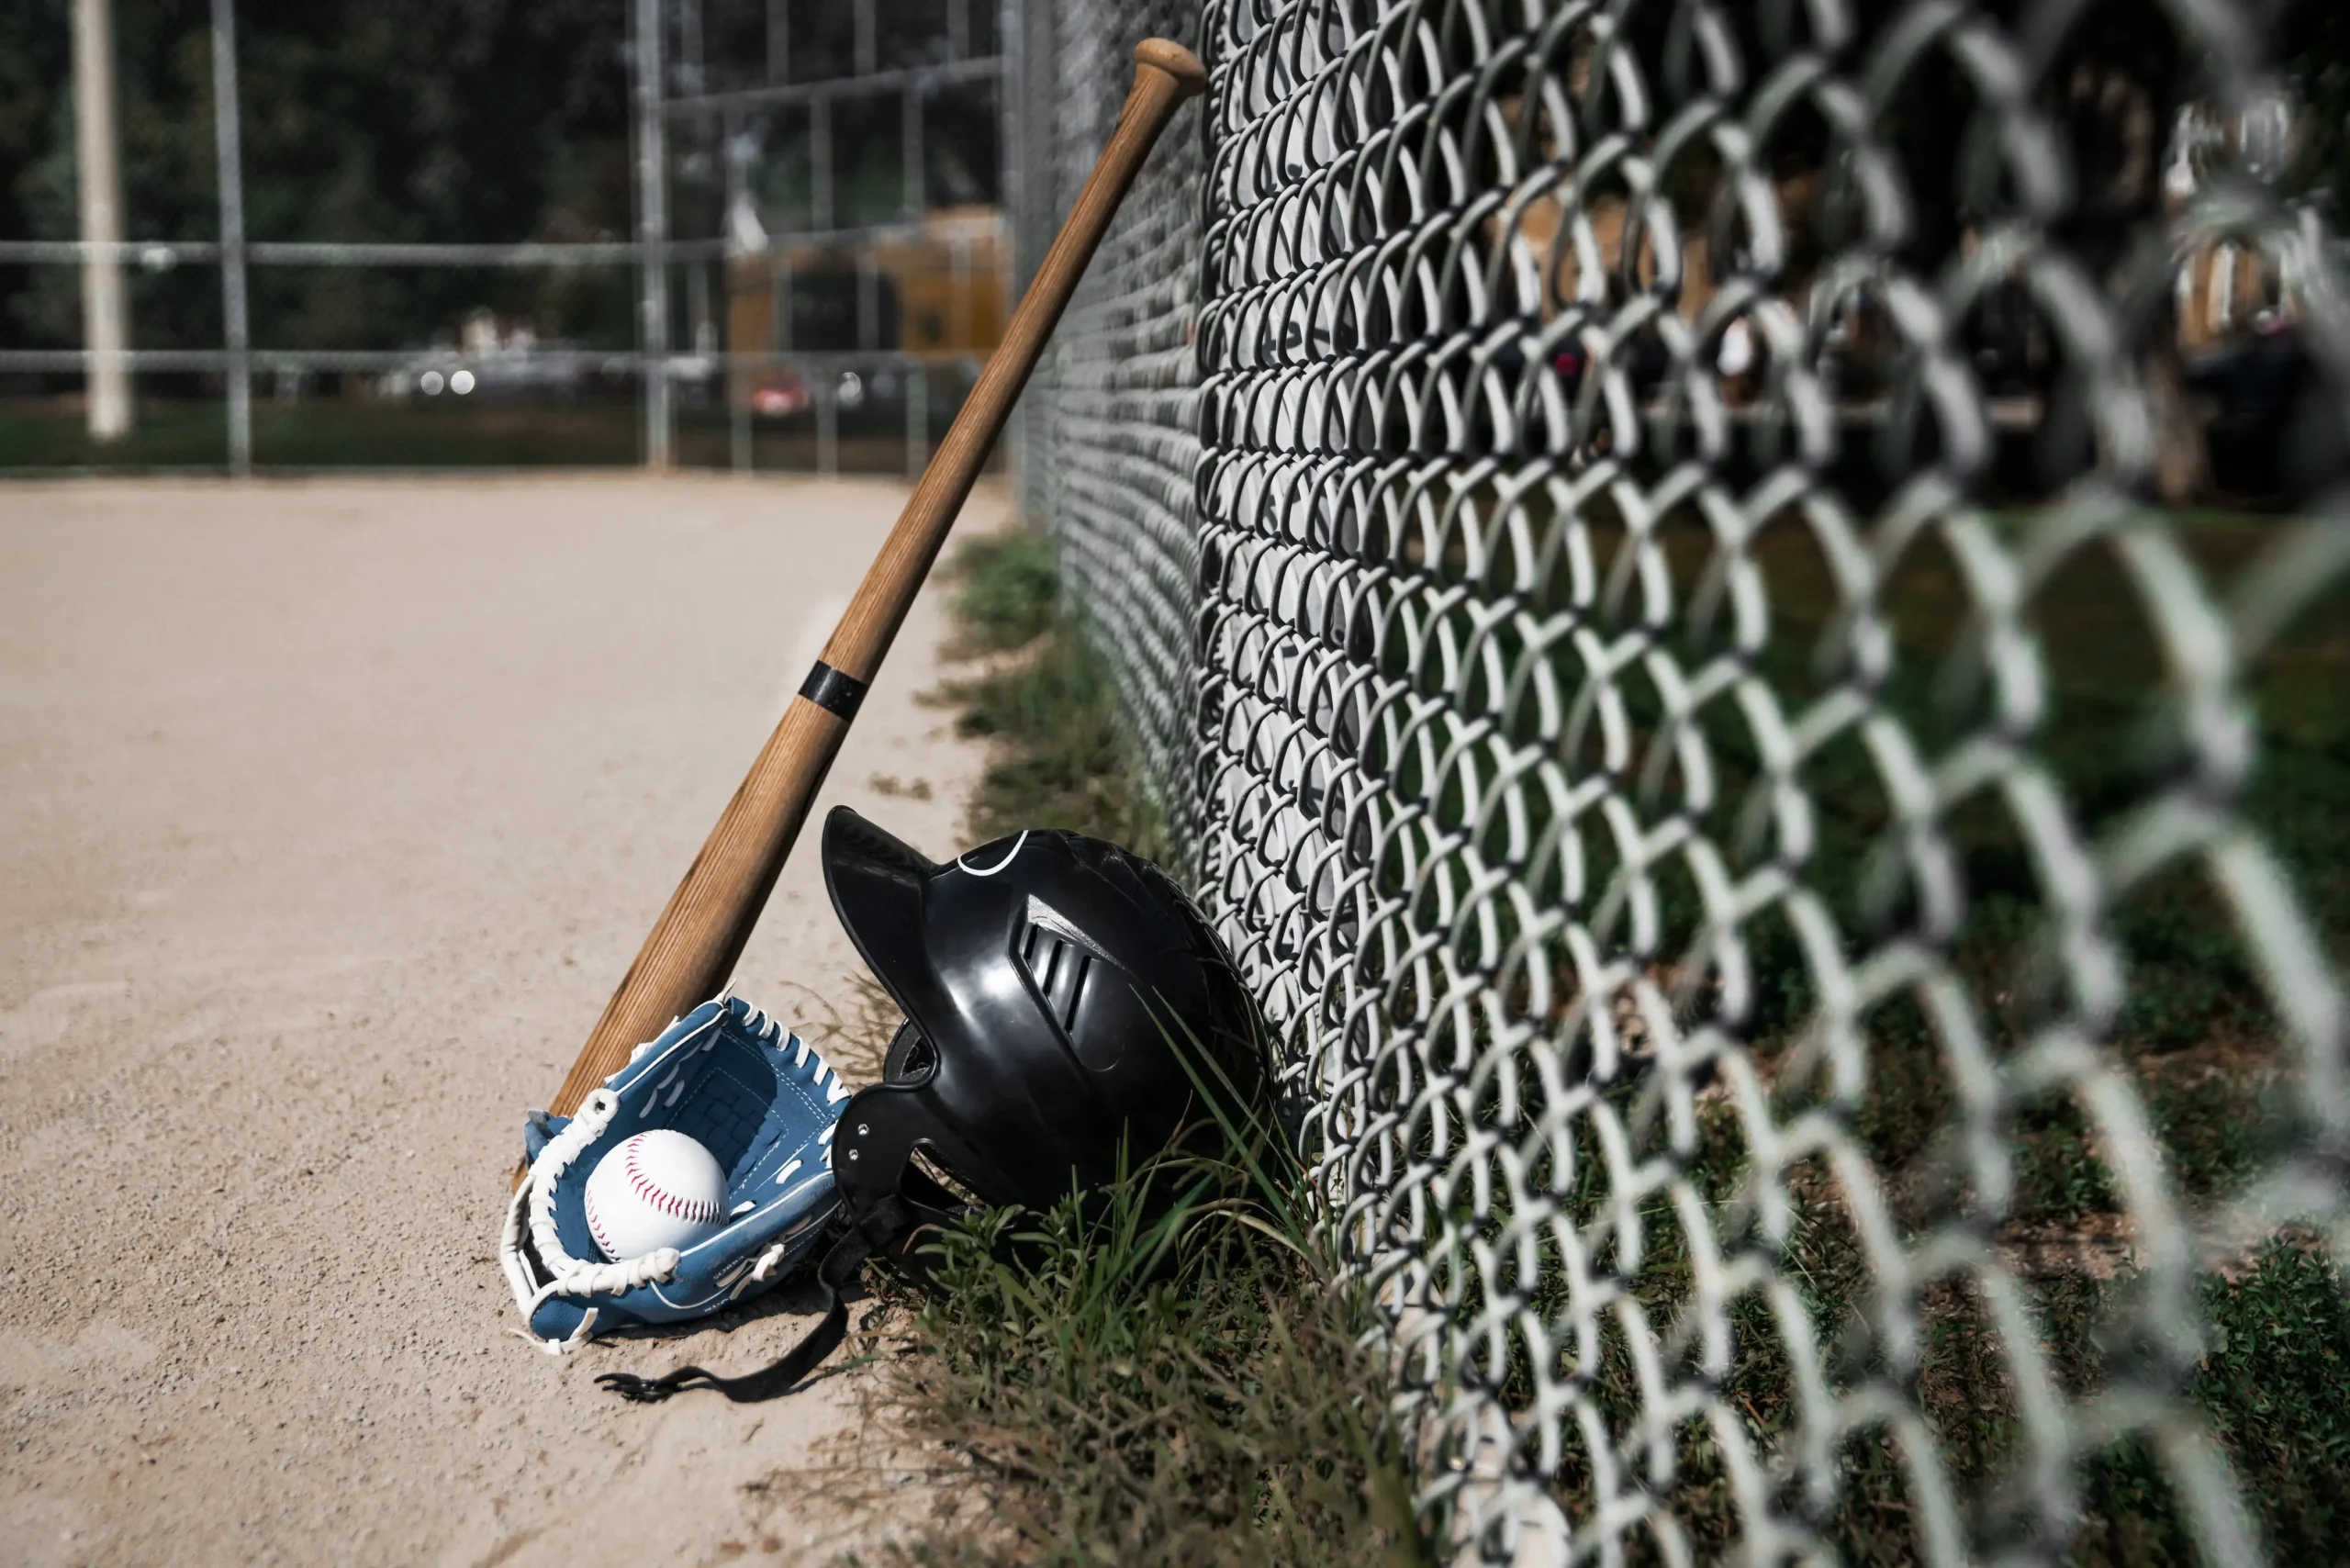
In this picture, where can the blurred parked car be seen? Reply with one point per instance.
(491, 359)
(780, 393)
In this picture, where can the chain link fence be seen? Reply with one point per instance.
(1736, 609)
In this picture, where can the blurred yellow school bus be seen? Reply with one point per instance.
(935, 291)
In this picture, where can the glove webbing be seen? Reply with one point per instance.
(839, 1267)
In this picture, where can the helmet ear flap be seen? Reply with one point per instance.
(887, 1196)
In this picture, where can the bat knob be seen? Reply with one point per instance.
(1165, 54)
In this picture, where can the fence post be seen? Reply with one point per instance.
(917, 419)
(652, 236)
(820, 161)
(229, 159)
(105, 318)
(1012, 196)
(828, 427)
(909, 148)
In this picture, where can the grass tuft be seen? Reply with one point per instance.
(1161, 1392)
(1007, 592)
(1048, 700)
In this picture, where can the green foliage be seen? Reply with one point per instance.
(2276, 1388)
(1008, 596)
(2274, 1391)
(2218, 1129)
(332, 432)
(2058, 1173)
(438, 120)
(1052, 706)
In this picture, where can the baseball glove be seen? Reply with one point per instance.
(759, 1098)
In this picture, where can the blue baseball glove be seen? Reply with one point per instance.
(759, 1098)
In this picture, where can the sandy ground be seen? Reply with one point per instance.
(331, 811)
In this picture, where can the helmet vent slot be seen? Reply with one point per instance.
(1058, 968)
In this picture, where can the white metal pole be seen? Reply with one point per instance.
(697, 307)
(1012, 194)
(106, 316)
(230, 158)
(917, 419)
(653, 235)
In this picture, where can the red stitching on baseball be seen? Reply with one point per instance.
(596, 1227)
(669, 1202)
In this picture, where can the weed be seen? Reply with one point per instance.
(1007, 592)
(2221, 1129)
(2276, 1387)
(1053, 710)
(1176, 1391)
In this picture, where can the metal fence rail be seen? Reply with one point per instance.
(1630, 538)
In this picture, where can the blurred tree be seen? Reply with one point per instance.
(432, 120)
(2315, 42)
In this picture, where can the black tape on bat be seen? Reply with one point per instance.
(830, 690)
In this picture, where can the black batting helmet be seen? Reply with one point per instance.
(1052, 985)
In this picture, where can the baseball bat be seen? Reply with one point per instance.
(693, 946)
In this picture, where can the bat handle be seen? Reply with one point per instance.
(1165, 75)
(693, 946)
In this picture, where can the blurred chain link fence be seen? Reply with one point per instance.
(1642, 547)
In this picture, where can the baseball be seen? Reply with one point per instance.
(657, 1189)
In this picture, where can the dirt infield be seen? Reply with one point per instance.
(332, 812)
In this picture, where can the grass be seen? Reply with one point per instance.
(602, 430)
(1172, 1392)
(1213, 1408)
(331, 433)
(1106, 1382)
(1048, 701)
(2195, 1033)
(2273, 1390)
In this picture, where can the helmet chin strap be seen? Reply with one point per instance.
(891, 1222)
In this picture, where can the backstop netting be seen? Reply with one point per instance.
(1730, 607)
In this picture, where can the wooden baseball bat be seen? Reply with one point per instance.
(694, 945)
